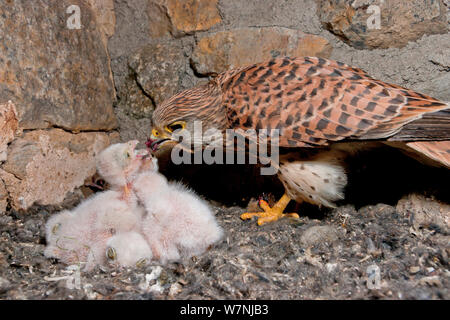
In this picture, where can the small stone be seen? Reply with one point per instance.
(319, 234)
(414, 269)
(370, 246)
(430, 269)
(5, 285)
(432, 281)
(356, 248)
(175, 289)
(331, 267)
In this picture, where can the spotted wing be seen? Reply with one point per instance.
(314, 101)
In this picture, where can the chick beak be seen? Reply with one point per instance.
(143, 156)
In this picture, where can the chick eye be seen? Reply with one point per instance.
(56, 228)
(127, 154)
(111, 254)
(141, 263)
(175, 126)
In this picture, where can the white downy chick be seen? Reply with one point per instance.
(111, 215)
(53, 225)
(178, 223)
(53, 232)
(80, 235)
(128, 249)
(83, 237)
(120, 163)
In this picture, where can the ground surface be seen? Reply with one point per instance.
(290, 259)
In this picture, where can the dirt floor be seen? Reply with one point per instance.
(376, 251)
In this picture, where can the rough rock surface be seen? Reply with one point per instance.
(425, 213)
(133, 102)
(294, 14)
(158, 68)
(410, 66)
(399, 21)
(106, 16)
(3, 197)
(55, 76)
(9, 125)
(230, 49)
(182, 17)
(43, 166)
(438, 88)
(133, 33)
(319, 234)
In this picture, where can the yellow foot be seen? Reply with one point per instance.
(270, 214)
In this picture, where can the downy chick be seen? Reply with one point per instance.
(178, 223)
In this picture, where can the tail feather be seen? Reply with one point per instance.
(436, 150)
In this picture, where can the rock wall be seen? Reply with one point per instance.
(54, 73)
(66, 93)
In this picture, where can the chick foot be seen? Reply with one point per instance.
(270, 214)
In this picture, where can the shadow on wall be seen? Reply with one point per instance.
(382, 175)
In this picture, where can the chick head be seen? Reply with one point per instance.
(53, 225)
(128, 249)
(119, 163)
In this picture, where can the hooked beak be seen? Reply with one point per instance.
(154, 144)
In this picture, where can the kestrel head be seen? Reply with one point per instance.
(202, 105)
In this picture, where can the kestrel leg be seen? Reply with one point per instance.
(271, 214)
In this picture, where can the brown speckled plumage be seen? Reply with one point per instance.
(315, 102)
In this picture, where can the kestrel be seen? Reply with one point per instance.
(325, 110)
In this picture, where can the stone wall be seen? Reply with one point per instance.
(56, 100)
(67, 93)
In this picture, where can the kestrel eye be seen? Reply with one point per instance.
(128, 154)
(111, 254)
(155, 133)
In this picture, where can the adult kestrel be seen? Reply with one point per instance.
(325, 110)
